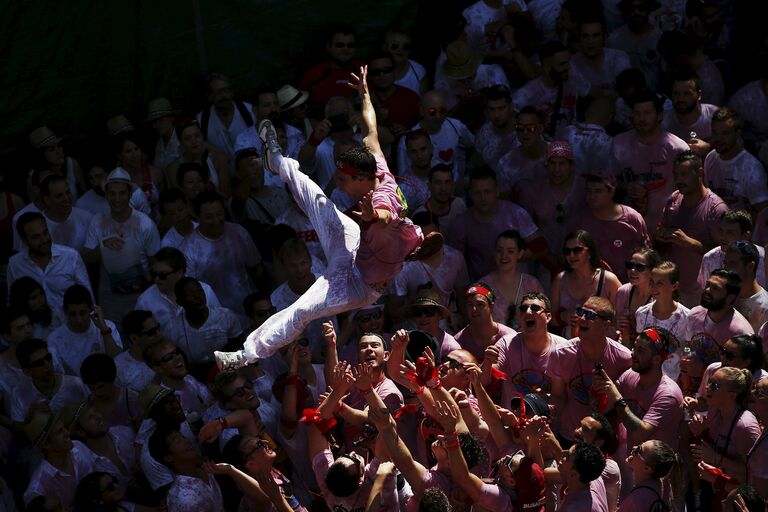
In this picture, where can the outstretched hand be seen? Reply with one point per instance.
(366, 213)
(363, 374)
(341, 378)
(447, 414)
(360, 81)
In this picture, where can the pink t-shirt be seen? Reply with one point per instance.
(740, 181)
(702, 126)
(589, 499)
(611, 478)
(493, 497)
(591, 146)
(701, 223)
(526, 283)
(616, 239)
(357, 502)
(477, 240)
(570, 365)
(383, 247)
(641, 498)
(701, 325)
(751, 103)
(649, 164)
(477, 347)
(543, 98)
(757, 460)
(514, 169)
(660, 406)
(745, 433)
(527, 371)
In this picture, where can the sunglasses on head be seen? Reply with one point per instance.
(380, 71)
(640, 267)
(41, 362)
(428, 312)
(534, 308)
(567, 251)
(169, 356)
(522, 128)
(345, 45)
(161, 275)
(406, 47)
(433, 111)
(588, 314)
(374, 315)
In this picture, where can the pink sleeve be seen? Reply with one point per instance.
(664, 403)
(493, 498)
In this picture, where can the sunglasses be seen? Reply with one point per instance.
(48, 358)
(640, 267)
(375, 315)
(588, 314)
(759, 392)
(727, 354)
(261, 313)
(260, 443)
(505, 462)
(637, 451)
(238, 392)
(530, 128)
(161, 275)
(168, 357)
(380, 71)
(453, 364)
(713, 385)
(567, 251)
(428, 312)
(345, 45)
(406, 47)
(151, 331)
(534, 308)
(433, 111)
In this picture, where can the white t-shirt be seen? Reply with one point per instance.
(413, 77)
(487, 75)
(74, 347)
(543, 98)
(445, 278)
(199, 343)
(450, 143)
(133, 373)
(591, 146)
(740, 181)
(677, 324)
(97, 203)
(751, 103)
(223, 137)
(71, 390)
(604, 76)
(715, 258)
(702, 126)
(173, 238)
(164, 308)
(492, 146)
(283, 297)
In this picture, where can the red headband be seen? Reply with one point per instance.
(655, 337)
(480, 290)
(347, 168)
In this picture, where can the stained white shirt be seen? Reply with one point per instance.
(71, 390)
(164, 308)
(74, 347)
(199, 343)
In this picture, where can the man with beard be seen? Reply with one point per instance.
(691, 120)
(742, 257)
(414, 179)
(525, 357)
(643, 157)
(595, 62)
(690, 223)
(56, 267)
(442, 204)
(732, 172)
(716, 318)
(555, 92)
(497, 135)
(226, 117)
(526, 160)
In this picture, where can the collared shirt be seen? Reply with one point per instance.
(74, 347)
(48, 480)
(198, 343)
(164, 308)
(70, 390)
(166, 153)
(221, 136)
(65, 268)
(133, 373)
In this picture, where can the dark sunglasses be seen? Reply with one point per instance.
(567, 251)
(264, 312)
(640, 267)
(167, 357)
(727, 354)
(433, 111)
(713, 385)
(260, 443)
(453, 364)
(534, 308)
(345, 45)
(161, 275)
(151, 331)
(419, 312)
(637, 451)
(530, 128)
(375, 315)
(588, 314)
(503, 462)
(380, 71)
(41, 362)
(406, 47)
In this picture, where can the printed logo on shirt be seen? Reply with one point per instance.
(531, 381)
(581, 388)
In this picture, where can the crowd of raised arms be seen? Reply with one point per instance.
(527, 276)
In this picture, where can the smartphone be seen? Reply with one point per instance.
(598, 367)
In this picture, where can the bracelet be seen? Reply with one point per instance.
(420, 390)
(106, 332)
(452, 444)
(434, 384)
(376, 216)
(224, 423)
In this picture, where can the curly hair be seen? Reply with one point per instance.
(473, 449)
(588, 461)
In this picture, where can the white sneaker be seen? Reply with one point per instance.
(230, 360)
(268, 137)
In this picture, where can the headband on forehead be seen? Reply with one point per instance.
(347, 168)
(481, 290)
(658, 342)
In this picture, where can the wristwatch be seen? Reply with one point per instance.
(621, 403)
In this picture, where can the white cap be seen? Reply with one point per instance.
(118, 175)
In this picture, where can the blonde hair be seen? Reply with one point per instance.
(739, 381)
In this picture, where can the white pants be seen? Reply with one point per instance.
(339, 289)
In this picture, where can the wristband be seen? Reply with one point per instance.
(620, 403)
(452, 444)
(435, 383)
(420, 390)
(106, 332)
(314, 141)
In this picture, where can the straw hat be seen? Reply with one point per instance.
(119, 124)
(160, 107)
(289, 97)
(461, 62)
(429, 298)
(43, 137)
(151, 395)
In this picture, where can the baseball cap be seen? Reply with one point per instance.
(529, 486)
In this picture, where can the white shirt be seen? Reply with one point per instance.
(158, 475)
(47, 480)
(715, 258)
(457, 209)
(223, 263)
(219, 135)
(677, 324)
(250, 139)
(413, 77)
(188, 494)
(492, 146)
(604, 76)
(173, 238)
(66, 268)
(751, 103)
(133, 373)
(74, 347)
(194, 398)
(543, 98)
(296, 219)
(72, 231)
(71, 390)
(165, 154)
(97, 203)
(740, 181)
(198, 344)
(702, 126)
(487, 75)
(283, 297)
(478, 15)
(164, 308)
(450, 143)
(445, 278)
(325, 161)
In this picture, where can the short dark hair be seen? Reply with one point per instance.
(689, 156)
(725, 114)
(419, 133)
(98, 369)
(187, 167)
(133, 321)
(362, 159)
(440, 168)
(740, 217)
(434, 500)
(750, 347)
(77, 294)
(205, 197)
(341, 480)
(158, 443)
(243, 154)
(497, 92)
(590, 17)
(26, 218)
(339, 28)
(26, 348)
(482, 173)
(380, 54)
(216, 76)
(222, 380)
(747, 252)
(732, 280)
(512, 234)
(45, 184)
(424, 218)
(629, 78)
(687, 76)
(645, 96)
(251, 299)
(588, 461)
(173, 257)
(231, 452)
(606, 433)
(531, 111)
(584, 237)
(538, 296)
(171, 196)
(182, 284)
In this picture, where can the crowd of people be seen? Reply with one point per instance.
(528, 276)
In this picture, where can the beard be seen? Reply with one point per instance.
(711, 304)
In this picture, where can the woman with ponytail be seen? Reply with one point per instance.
(656, 469)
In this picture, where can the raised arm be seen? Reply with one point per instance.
(487, 407)
(448, 415)
(371, 139)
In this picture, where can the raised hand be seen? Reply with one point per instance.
(400, 340)
(360, 81)
(210, 431)
(329, 333)
(366, 213)
(341, 378)
(447, 415)
(381, 418)
(461, 398)
(363, 375)
(475, 375)
(491, 355)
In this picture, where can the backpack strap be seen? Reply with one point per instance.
(244, 113)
